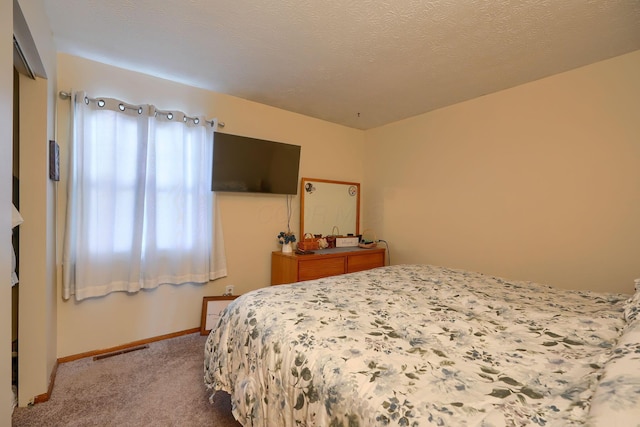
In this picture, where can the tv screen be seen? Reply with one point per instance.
(243, 164)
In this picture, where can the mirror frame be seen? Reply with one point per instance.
(303, 181)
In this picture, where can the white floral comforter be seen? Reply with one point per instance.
(424, 345)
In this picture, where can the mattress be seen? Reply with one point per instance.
(414, 345)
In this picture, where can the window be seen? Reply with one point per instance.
(140, 209)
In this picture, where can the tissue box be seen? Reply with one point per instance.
(346, 242)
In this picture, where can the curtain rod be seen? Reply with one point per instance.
(67, 95)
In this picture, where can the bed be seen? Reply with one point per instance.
(415, 345)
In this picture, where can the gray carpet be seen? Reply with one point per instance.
(159, 386)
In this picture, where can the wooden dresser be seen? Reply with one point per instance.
(290, 267)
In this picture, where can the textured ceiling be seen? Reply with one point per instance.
(360, 63)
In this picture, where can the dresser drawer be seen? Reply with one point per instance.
(362, 262)
(317, 268)
(291, 267)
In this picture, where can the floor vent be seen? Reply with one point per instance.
(117, 353)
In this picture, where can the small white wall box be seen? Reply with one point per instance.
(346, 242)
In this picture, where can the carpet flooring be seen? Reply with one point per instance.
(158, 386)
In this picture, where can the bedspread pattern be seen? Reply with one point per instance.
(413, 345)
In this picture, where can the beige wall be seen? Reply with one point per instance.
(251, 222)
(37, 312)
(539, 182)
(36, 315)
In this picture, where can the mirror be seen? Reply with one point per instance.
(325, 204)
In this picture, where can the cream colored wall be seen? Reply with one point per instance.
(37, 312)
(33, 321)
(250, 221)
(6, 126)
(539, 182)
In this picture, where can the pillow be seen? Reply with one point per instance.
(616, 401)
(632, 306)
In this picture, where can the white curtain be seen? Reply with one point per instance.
(140, 206)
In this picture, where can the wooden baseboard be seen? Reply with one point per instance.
(126, 346)
(46, 396)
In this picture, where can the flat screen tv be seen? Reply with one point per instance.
(243, 164)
